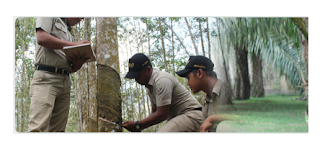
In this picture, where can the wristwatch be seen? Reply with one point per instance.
(137, 126)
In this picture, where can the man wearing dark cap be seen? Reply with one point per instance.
(200, 75)
(169, 99)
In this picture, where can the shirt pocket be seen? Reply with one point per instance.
(60, 31)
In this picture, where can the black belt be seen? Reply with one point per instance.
(53, 69)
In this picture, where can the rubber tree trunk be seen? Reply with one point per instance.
(108, 87)
(92, 84)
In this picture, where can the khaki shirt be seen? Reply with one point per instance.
(53, 57)
(216, 102)
(164, 89)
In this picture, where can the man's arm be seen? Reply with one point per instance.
(207, 125)
(156, 117)
(51, 42)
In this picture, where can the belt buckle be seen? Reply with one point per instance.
(62, 71)
(56, 70)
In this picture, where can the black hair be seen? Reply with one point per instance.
(209, 73)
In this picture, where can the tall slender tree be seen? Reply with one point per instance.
(208, 36)
(191, 35)
(163, 46)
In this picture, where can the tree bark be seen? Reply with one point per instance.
(173, 55)
(163, 47)
(77, 80)
(189, 29)
(257, 77)
(237, 85)
(149, 55)
(92, 84)
(242, 64)
(202, 45)
(108, 87)
(208, 36)
(23, 80)
(304, 27)
(82, 91)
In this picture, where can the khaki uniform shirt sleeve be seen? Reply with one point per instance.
(153, 105)
(164, 89)
(45, 23)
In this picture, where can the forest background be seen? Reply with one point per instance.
(310, 128)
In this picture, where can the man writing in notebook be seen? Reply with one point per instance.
(50, 86)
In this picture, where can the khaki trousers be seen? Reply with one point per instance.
(50, 101)
(187, 122)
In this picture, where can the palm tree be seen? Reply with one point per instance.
(277, 39)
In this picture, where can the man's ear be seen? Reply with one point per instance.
(200, 73)
(148, 69)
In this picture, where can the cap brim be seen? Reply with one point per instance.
(132, 74)
(183, 73)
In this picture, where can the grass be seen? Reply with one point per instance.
(273, 113)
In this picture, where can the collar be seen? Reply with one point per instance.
(152, 78)
(217, 87)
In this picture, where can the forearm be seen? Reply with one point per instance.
(51, 42)
(215, 118)
(152, 119)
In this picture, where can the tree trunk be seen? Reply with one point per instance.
(92, 85)
(82, 90)
(305, 54)
(173, 55)
(139, 105)
(108, 87)
(257, 77)
(77, 80)
(23, 81)
(189, 29)
(149, 55)
(144, 102)
(242, 64)
(208, 36)
(237, 85)
(202, 45)
(178, 39)
(229, 98)
(132, 108)
(163, 47)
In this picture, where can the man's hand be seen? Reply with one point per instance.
(81, 42)
(77, 60)
(130, 126)
(206, 126)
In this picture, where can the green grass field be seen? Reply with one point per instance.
(273, 113)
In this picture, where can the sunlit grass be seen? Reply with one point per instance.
(274, 113)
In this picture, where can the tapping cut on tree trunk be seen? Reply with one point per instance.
(108, 87)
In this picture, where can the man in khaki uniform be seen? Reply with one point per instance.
(169, 99)
(200, 75)
(50, 86)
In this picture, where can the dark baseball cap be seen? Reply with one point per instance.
(196, 62)
(136, 63)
